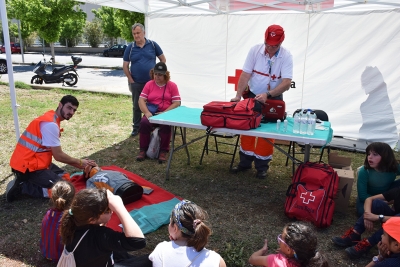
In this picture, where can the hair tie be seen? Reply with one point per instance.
(195, 223)
(295, 255)
(70, 212)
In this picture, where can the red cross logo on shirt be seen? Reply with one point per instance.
(307, 198)
(273, 77)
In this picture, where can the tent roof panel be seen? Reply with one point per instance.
(245, 6)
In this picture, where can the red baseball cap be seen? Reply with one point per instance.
(392, 227)
(274, 35)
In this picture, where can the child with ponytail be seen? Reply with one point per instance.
(189, 235)
(297, 248)
(51, 246)
(86, 222)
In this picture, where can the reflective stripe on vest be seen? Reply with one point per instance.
(31, 146)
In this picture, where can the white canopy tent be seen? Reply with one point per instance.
(345, 54)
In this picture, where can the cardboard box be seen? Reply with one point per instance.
(339, 162)
(346, 179)
(342, 165)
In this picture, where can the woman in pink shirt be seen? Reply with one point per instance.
(297, 247)
(161, 94)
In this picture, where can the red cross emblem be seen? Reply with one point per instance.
(273, 77)
(235, 79)
(307, 198)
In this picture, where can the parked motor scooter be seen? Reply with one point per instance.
(65, 74)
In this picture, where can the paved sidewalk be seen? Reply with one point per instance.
(107, 77)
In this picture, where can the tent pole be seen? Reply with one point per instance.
(4, 21)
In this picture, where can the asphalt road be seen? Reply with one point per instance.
(96, 73)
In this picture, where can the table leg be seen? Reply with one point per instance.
(184, 144)
(171, 152)
(307, 149)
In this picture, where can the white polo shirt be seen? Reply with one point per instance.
(267, 73)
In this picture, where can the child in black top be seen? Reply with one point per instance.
(90, 210)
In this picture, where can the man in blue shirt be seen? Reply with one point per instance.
(141, 55)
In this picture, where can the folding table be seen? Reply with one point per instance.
(184, 117)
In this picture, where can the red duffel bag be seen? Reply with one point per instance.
(234, 115)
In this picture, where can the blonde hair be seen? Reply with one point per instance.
(62, 194)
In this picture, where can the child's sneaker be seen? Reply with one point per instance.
(358, 250)
(350, 238)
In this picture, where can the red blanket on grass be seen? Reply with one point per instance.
(157, 196)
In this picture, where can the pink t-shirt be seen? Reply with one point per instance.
(279, 260)
(154, 94)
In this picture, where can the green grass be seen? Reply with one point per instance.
(243, 210)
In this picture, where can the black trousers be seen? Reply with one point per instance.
(36, 183)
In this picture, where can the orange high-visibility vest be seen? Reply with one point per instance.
(29, 154)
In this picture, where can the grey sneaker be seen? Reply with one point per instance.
(13, 188)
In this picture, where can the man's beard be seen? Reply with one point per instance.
(62, 113)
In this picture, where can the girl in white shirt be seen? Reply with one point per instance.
(189, 234)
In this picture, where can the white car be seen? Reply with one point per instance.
(3, 65)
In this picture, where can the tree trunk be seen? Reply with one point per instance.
(53, 56)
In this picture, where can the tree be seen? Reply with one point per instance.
(93, 32)
(45, 17)
(107, 17)
(125, 19)
(71, 30)
(12, 31)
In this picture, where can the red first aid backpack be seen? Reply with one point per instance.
(233, 115)
(310, 196)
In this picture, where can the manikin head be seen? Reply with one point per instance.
(89, 171)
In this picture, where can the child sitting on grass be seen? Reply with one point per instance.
(297, 248)
(51, 246)
(389, 247)
(189, 234)
(378, 174)
(84, 232)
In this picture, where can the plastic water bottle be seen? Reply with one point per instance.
(314, 122)
(278, 125)
(311, 123)
(296, 124)
(285, 126)
(304, 122)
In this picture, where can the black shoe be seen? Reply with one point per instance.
(359, 250)
(348, 239)
(261, 174)
(239, 169)
(13, 188)
(135, 132)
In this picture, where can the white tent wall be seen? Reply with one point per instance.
(196, 56)
(330, 52)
